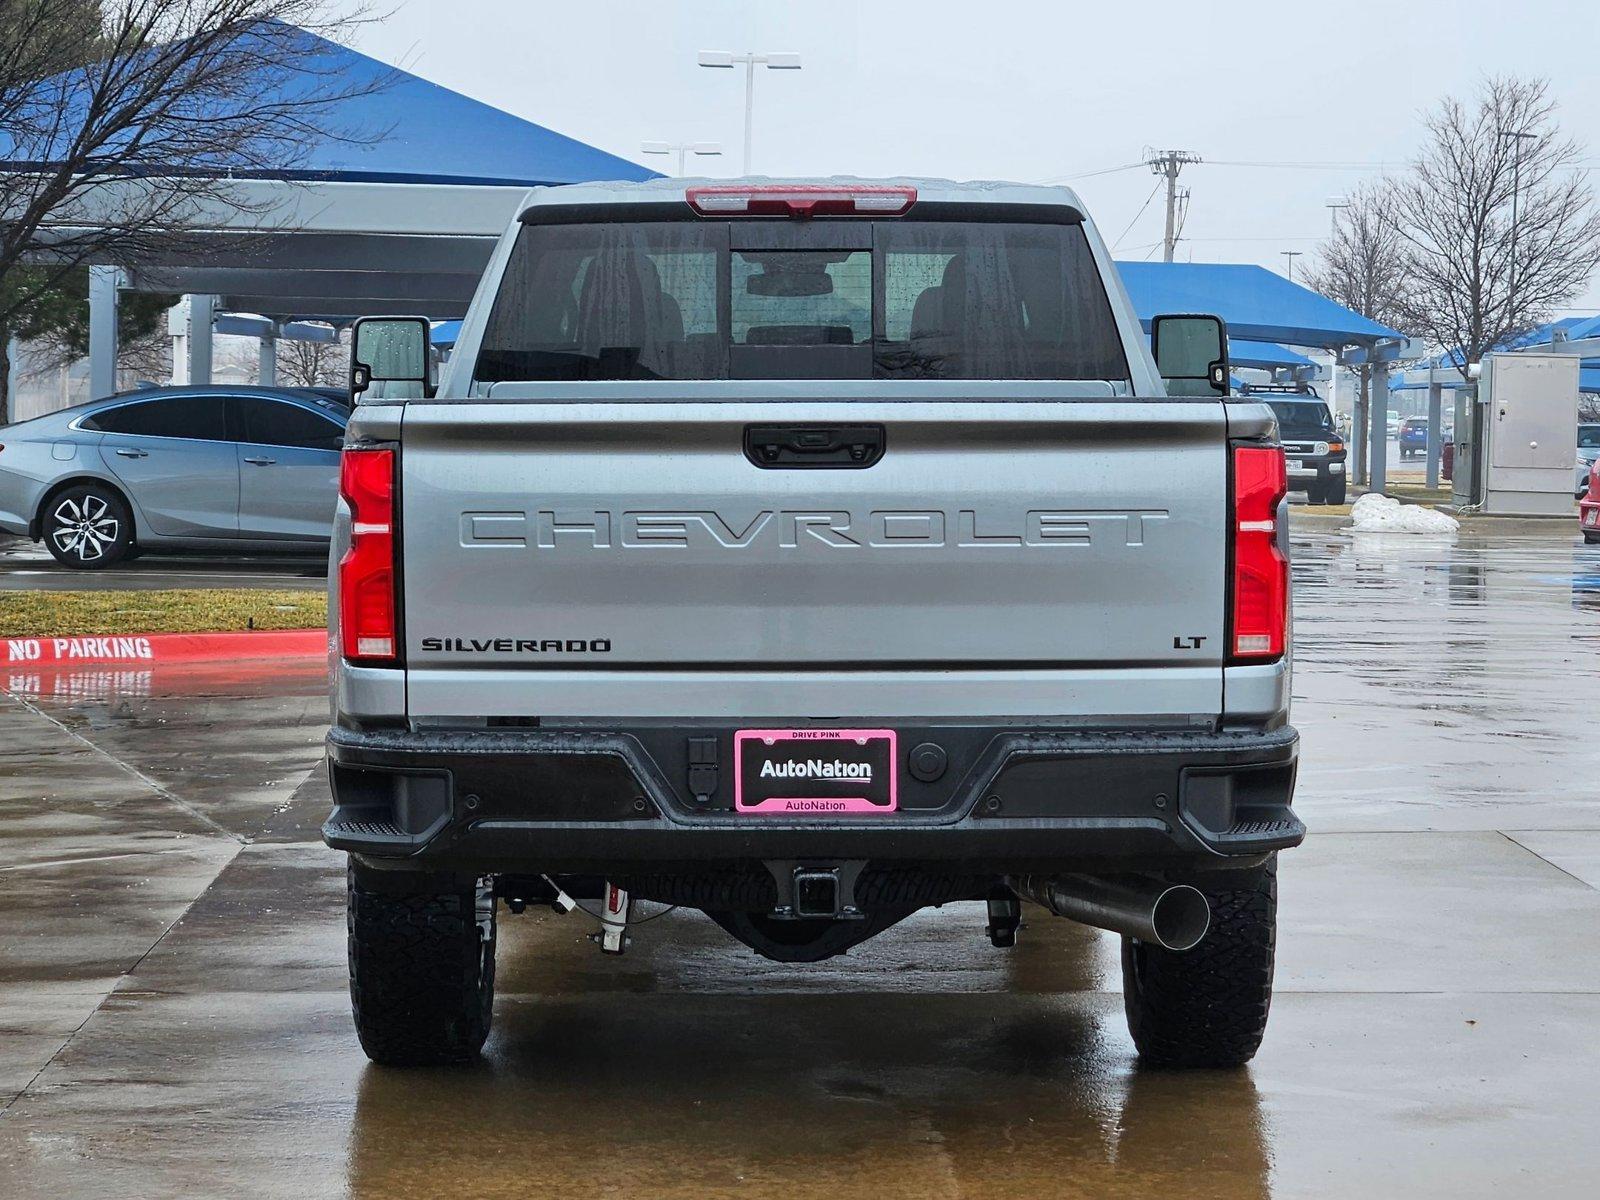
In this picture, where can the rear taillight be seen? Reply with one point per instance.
(800, 200)
(1260, 616)
(368, 625)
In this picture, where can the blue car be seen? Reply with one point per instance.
(1414, 437)
(223, 468)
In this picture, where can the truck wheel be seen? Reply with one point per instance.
(1314, 493)
(1335, 492)
(421, 966)
(1207, 1007)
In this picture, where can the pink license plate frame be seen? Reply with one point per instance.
(819, 794)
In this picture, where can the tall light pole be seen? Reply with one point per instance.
(1333, 204)
(681, 149)
(727, 60)
(1517, 136)
(1291, 255)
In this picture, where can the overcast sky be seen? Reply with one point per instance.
(1289, 103)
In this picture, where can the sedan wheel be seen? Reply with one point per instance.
(88, 527)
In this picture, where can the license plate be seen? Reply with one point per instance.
(814, 772)
(1592, 517)
(1292, 464)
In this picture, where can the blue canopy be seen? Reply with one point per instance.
(397, 128)
(1574, 328)
(1543, 335)
(1588, 380)
(1267, 356)
(1582, 328)
(1257, 304)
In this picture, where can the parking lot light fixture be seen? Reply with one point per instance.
(1334, 204)
(772, 60)
(682, 150)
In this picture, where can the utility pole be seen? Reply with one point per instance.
(1291, 255)
(1168, 163)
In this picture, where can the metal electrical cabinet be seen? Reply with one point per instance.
(1515, 450)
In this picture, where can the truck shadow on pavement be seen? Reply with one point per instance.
(844, 1094)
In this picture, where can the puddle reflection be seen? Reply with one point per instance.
(667, 1094)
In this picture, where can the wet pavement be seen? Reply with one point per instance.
(173, 1016)
(27, 566)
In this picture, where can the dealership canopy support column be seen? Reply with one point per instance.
(202, 312)
(103, 285)
(1378, 427)
(267, 367)
(1435, 426)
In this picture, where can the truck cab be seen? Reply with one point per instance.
(806, 553)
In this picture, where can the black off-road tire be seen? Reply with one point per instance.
(1207, 1007)
(87, 526)
(1334, 494)
(421, 966)
(1313, 493)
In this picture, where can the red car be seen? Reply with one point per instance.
(1589, 506)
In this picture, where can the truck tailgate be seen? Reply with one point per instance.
(547, 536)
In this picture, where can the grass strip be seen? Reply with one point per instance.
(183, 610)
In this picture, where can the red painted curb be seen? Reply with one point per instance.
(156, 648)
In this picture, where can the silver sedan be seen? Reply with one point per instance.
(198, 468)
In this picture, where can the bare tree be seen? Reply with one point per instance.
(1364, 266)
(311, 364)
(1479, 277)
(125, 123)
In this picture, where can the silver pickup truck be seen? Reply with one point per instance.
(809, 553)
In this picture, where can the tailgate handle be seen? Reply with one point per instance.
(812, 447)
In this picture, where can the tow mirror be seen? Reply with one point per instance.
(1191, 352)
(391, 358)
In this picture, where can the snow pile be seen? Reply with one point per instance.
(1373, 513)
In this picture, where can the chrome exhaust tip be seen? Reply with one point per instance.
(1174, 916)
(1180, 917)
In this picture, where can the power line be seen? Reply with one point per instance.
(1306, 164)
(1137, 215)
(1288, 238)
(1090, 174)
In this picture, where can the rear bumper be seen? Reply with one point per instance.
(614, 801)
(1323, 468)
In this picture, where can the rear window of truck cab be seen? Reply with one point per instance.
(686, 300)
